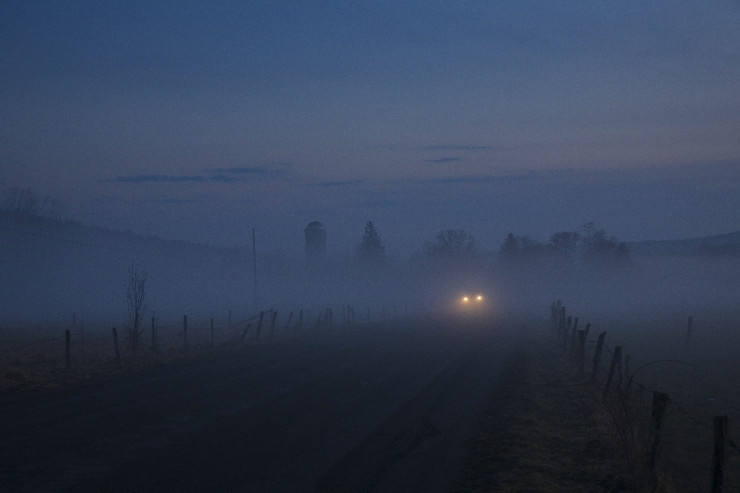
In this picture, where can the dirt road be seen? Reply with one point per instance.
(359, 409)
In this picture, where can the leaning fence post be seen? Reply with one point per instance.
(115, 345)
(581, 353)
(572, 335)
(616, 362)
(259, 325)
(597, 355)
(566, 333)
(67, 345)
(660, 402)
(244, 334)
(719, 458)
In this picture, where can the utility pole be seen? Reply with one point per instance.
(254, 269)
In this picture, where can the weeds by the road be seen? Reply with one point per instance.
(536, 435)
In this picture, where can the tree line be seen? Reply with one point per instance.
(453, 245)
(24, 202)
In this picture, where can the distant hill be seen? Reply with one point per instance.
(723, 244)
(52, 267)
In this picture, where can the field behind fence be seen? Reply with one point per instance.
(666, 390)
(47, 356)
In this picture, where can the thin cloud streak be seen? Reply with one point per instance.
(158, 179)
(220, 175)
(253, 170)
(177, 201)
(442, 147)
(478, 179)
(344, 183)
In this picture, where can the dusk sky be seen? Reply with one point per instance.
(202, 120)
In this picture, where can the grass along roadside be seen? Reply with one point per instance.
(537, 436)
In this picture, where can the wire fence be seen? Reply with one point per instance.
(666, 395)
(48, 356)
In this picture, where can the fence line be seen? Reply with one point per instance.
(623, 397)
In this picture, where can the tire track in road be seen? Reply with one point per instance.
(422, 446)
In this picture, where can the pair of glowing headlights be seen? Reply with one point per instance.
(478, 298)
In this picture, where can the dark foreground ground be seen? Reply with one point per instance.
(365, 409)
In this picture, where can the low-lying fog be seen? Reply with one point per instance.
(56, 269)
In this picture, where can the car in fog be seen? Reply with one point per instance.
(471, 302)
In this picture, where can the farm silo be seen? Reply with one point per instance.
(315, 243)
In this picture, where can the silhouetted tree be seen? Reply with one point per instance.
(520, 246)
(510, 247)
(531, 247)
(24, 202)
(452, 244)
(371, 250)
(592, 245)
(135, 306)
(597, 246)
(565, 243)
(21, 201)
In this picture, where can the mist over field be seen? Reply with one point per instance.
(307, 241)
(52, 269)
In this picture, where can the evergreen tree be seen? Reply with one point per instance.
(372, 251)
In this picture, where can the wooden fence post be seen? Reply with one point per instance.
(563, 326)
(553, 317)
(719, 458)
(115, 345)
(259, 324)
(287, 326)
(244, 334)
(597, 355)
(566, 333)
(616, 363)
(572, 336)
(67, 347)
(581, 353)
(660, 402)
